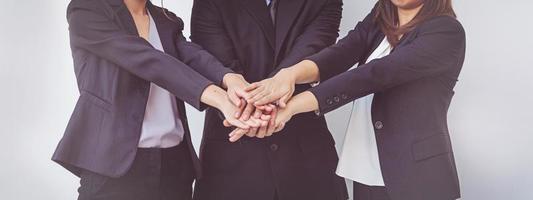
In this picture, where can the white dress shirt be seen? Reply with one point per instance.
(359, 160)
(161, 126)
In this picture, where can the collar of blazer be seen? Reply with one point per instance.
(378, 36)
(287, 10)
(164, 28)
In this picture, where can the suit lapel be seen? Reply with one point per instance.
(288, 11)
(124, 17)
(165, 28)
(259, 11)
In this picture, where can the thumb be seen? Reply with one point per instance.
(284, 99)
(252, 86)
(234, 99)
(226, 123)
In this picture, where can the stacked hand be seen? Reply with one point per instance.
(262, 106)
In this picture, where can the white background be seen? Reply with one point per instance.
(491, 116)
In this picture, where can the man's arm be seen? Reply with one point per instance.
(207, 30)
(319, 34)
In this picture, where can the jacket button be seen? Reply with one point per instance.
(274, 147)
(329, 102)
(378, 125)
(336, 99)
(344, 96)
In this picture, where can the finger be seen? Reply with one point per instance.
(259, 88)
(253, 123)
(256, 118)
(268, 108)
(266, 117)
(226, 123)
(252, 132)
(265, 99)
(256, 97)
(238, 124)
(242, 106)
(262, 132)
(280, 127)
(241, 93)
(272, 123)
(247, 112)
(257, 114)
(237, 131)
(283, 100)
(252, 86)
(237, 135)
(263, 108)
(234, 99)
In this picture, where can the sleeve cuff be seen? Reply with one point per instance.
(198, 97)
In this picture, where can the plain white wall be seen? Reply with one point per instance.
(490, 117)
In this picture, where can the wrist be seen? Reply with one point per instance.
(214, 96)
(287, 74)
(230, 78)
(302, 103)
(306, 71)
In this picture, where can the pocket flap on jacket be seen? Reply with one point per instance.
(432, 146)
(97, 101)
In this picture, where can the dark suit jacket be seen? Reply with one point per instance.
(299, 162)
(114, 68)
(412, 87)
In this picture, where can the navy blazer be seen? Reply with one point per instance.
(114, 68)
(412, 88)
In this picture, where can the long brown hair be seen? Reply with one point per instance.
(387, 17)
(165, 12)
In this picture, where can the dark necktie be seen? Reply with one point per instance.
(273, 7)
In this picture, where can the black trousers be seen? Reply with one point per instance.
(156, 174)
(364, 192)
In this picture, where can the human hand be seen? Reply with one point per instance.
(236, 85)
(219, 99)
(279, 88)
(284, 115)
(265, 116)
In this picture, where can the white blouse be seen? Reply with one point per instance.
(359, 160)
(162, 127)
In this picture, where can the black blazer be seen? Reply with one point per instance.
(299, 162)
(412, 87)
(114, 68)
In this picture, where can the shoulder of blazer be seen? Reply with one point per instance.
(99, 7)
(441, 23)
(169, 15)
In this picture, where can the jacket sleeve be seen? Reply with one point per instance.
(319, 34)
(438, 48)
(346, 52)
(93, 30)
(208, 31)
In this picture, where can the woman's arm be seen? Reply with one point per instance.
(438, 48)
(216, 97)
(92, 30)
(319, 67)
